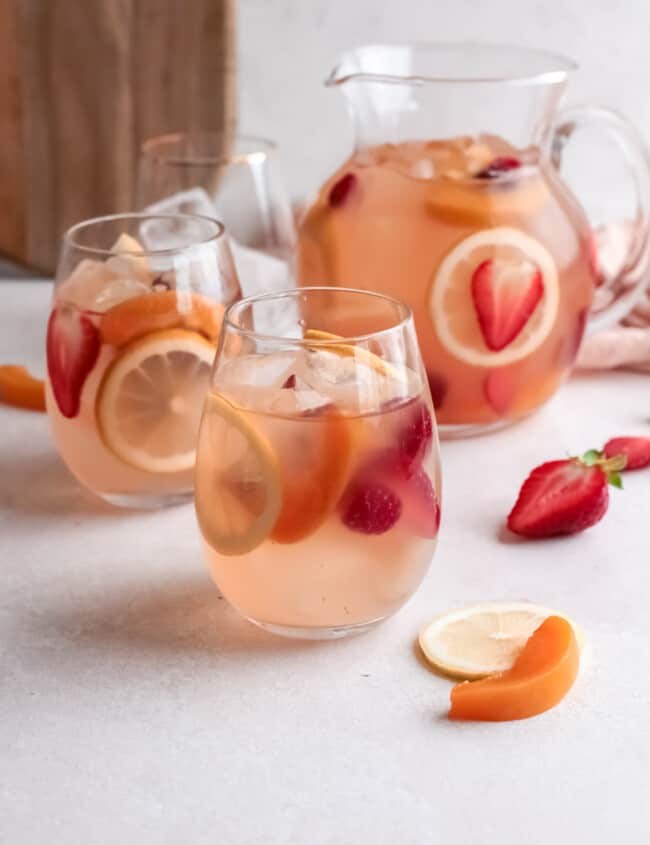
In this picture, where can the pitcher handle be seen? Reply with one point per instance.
(634, 270)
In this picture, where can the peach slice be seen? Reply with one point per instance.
(159, 311)
(540, 677)
(20, 389)
(314, 475)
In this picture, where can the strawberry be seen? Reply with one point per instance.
(565, 497)
(498, 166)
(635, 449)
(505, 295)
(438, 386)
(420, 505)
(340, 191)
(414, 439)
(499, 389)
(370, 507)
(72, 350)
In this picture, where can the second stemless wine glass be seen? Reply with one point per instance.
(317, 481)
(136, 315)
(239, 183)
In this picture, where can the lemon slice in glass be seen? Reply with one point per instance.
(150, 399)
(238, 488)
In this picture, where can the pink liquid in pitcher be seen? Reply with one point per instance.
(487, 247)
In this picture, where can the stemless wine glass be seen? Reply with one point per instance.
(317, 481)
(239, 183)
(136, 315)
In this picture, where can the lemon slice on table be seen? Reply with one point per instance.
(238, 486)
(150, 399)
(452, 306)
(483, 639)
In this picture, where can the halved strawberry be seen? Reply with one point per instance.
(72, 350)
(565, 497)
(499, 389)
(420, 505)
(414, 490)
(635, 449)
(505, 294)
(415, 437)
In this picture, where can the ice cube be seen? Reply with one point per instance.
(119, 290)
(96, 286)
(422, 169)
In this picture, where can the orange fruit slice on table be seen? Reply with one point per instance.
(483, 639)
(541, 676)
(237, 483)
(150, 399)
(20, 389)
(451, 302)
(160, 310)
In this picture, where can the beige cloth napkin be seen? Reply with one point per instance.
(626, 344)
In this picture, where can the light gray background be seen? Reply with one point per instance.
(286, 48)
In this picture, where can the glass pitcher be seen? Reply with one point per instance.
(453, 201)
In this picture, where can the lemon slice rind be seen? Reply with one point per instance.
(130, 358)
(517, 349)
(230, 542)
(484, 639)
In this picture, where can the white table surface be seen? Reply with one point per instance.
(135, 706)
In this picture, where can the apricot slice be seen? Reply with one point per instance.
(313, 475)
(20, 389)
(539, 679)
(158, 311)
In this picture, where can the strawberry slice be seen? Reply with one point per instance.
(565, 497)
(420, 505)
(635, 449)
(411, 485)
(72, 350)
(505, 294)
(499, 389)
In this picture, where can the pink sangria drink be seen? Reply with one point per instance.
(317, 472)
(475, 230)
(130, 343)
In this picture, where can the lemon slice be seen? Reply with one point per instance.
(452, 306)
(483, 639)
(238, 488)
(150, 399)
(348, 350)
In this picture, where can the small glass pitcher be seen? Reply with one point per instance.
(453, 201)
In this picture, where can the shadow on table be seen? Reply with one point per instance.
(41, 485)
(186, 616)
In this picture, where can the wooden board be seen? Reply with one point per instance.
(91, 81)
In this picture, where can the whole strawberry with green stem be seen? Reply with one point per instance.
(566, 496)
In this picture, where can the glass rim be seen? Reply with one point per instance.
(69, 237)
(405, 316)
(150, 149)
(559, 66)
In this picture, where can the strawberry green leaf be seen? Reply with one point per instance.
(593, 456)
(615, 480)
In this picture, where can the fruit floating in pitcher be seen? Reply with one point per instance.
(487, 247)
